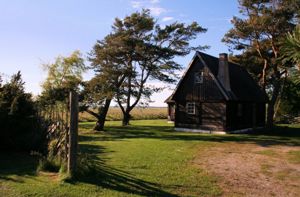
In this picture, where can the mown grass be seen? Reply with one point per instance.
(267, 152)
(294, 156)
(138, 113)
(146, 158)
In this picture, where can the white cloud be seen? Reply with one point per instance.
(152, 5)
(167, 18)
(136, 4)
(156, 11)
(154, 1)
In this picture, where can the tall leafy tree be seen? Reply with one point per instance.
(258, 34)
(98, 94)
(141, 50)
(63, 75)
(107, 62)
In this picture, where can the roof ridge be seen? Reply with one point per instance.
(244, 87)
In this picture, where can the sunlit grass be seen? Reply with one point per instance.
(294, 156)
(147, 158)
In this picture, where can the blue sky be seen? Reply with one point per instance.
(35, 32)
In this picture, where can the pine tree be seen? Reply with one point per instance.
(258, 34)
(139, 50)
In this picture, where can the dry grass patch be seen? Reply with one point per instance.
(246, 169)
(139, 113)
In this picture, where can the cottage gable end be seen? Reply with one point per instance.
(198, 84)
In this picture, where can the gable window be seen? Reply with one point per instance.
(199, 77)
(190, 108)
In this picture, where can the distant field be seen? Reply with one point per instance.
(115, 113)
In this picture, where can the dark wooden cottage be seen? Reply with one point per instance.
(215, 95)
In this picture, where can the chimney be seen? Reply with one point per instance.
(223, 72)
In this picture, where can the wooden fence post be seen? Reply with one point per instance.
(73, 133)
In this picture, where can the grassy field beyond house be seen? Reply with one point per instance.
(138, 113)
(148, 158)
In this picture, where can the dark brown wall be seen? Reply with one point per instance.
(210, 115)
(212, 111)
(189, 91)
(207, 116)
(260, 114)
(253, 115)
(214, 115)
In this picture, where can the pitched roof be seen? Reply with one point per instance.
(169, 99)
(243, 87)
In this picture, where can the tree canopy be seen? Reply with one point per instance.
(259, 34)
(63, 75)
(137, 50)
(291, 47)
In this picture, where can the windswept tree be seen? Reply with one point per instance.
(258, 35)
(107, 62)
(139, 50)
(98, 94)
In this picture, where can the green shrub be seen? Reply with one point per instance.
(20, 127)
(48, 165)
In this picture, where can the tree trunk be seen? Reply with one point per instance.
(271, 105)
(126, 118)
(102, 116)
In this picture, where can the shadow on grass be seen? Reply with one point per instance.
(95, 171)
(20, 164)
(280, 135)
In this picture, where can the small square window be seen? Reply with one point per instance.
(190, 108)
(199, 77)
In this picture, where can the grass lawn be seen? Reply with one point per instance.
(144, 159)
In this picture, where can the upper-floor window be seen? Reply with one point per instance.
(199, 77)
(190, 108)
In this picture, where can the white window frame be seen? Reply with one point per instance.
(190, 108)
(199, 77)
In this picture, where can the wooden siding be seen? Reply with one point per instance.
(213, 110)
(253, 115)
(207, 116)
(191, 91)
(260, 114)
(214, 115)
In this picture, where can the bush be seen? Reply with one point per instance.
(48, 165)
(20, 127)
(289, 108)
